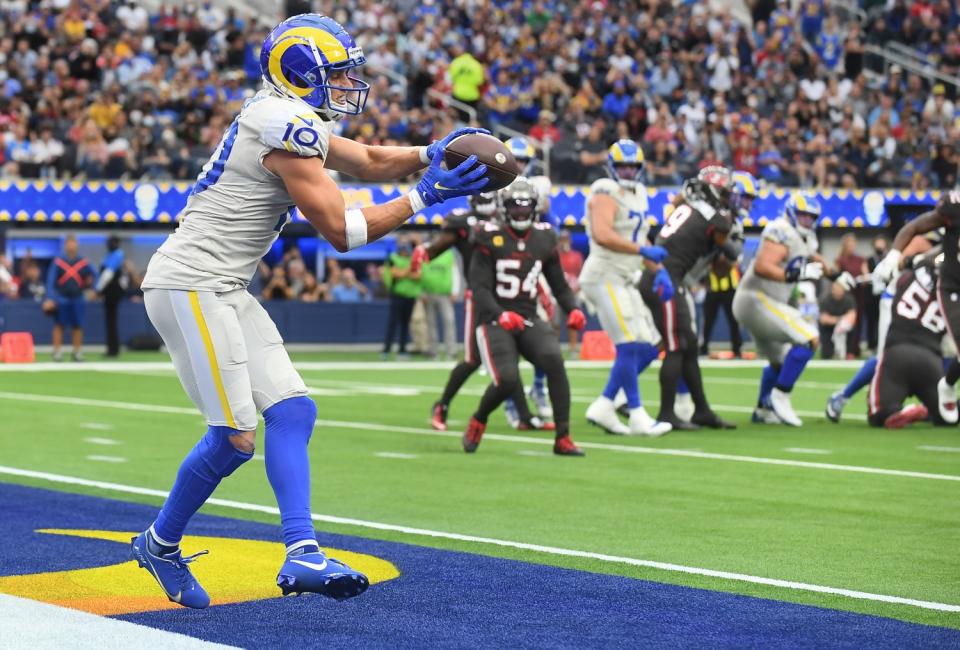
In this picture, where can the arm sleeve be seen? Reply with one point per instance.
(553, 272)
(482, 282)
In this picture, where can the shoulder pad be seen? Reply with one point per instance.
(283, 124)
(777, 231)
(605, 186)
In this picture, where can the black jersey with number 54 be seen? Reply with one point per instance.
(506, 266)
(916, 317)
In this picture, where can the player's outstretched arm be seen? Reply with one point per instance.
(320, 201)
(374, 164)
(889, 265)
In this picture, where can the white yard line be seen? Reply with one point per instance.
(166, 366)
(395, 454)
(374, 426)
(949, 450)
(96, 426)
(804, 450)
(31, 624)
(107, 459)
(102, 441)
(489, 541)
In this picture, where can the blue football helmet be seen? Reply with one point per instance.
(523, 152)
(625, 162)
(299, 56)
(803, 211)
(744, 192)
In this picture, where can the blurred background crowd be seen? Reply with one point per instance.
(788, 90)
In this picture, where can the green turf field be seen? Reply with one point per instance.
(832, 515)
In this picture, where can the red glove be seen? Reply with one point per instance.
(418, 258)
(511, 320)
(576, 320)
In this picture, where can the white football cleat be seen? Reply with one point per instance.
(641, 424)
(763, 415)
(602, 413)
(783, 409)
(683, 406)
(541, 402)
(947, 401)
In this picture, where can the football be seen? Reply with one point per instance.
(502, 167)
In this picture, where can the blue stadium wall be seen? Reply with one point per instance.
(112, 202)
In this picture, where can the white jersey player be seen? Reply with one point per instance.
(787, 255)
(226, 350)
(617, 225)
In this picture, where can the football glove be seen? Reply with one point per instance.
(576, 320)
(663, 285)
(847, 281)
(441, 145)
(418, 258)
(886, 269)
(439, 184)
(808, 271)
(511, 320)
(654, 253)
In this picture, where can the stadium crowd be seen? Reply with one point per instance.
(105, 89)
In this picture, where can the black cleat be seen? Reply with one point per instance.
(712, 420)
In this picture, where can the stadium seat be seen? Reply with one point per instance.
(597, 346)
(16, 347)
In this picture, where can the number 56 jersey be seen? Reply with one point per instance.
(237, 208)
(629, 222)
(506, 266)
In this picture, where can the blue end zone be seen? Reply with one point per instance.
(444, 598)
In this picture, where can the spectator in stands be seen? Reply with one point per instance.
(545, 129)
(848, 260)
(348, 289)
(278, 288)
(374, 282)
(501, 99)
(314, 291)
(592, 153)
(404, 286)
(47, 152)
(838, 315)
(467, 76)
(296, 276)
(616, 103)
(661, 167)
(68, 279)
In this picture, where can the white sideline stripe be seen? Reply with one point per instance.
(548, 550)
(148, 366)
(804, 450)
(107, 459)
(102, 441)
(32, 624)
(368, 426)
(96, 426)
(954, 450)
(533, 452)
(395, 454)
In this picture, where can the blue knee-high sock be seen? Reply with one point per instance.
(767, 381)
(682, 387)
(539, 379)
(212, 459)
(625, 359)
(862, 378)
(647, 353)
(794, 363)
(289, 425)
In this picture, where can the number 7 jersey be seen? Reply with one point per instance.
(629, 222)
(506, 266)
(237, 207)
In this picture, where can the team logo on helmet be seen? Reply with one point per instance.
(301, 54)
(625, 162)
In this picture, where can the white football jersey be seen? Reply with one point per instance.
(799, 248)
(629, 221)
(237, 207)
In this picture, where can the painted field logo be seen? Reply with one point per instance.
(235, 571)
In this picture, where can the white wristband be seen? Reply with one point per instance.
(356, 229)
(417, 204)
(424, 158)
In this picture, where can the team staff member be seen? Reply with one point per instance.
(69, 276)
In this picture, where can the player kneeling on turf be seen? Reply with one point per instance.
(504, 272)
(911, 362)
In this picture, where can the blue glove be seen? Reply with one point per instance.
(654, 253)
(663, 285)
(439, 184)
(440, 145)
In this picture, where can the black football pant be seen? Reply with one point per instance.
(714, 302)
(501, 350)
(905, 370)
(675, 324)
(398, 322)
